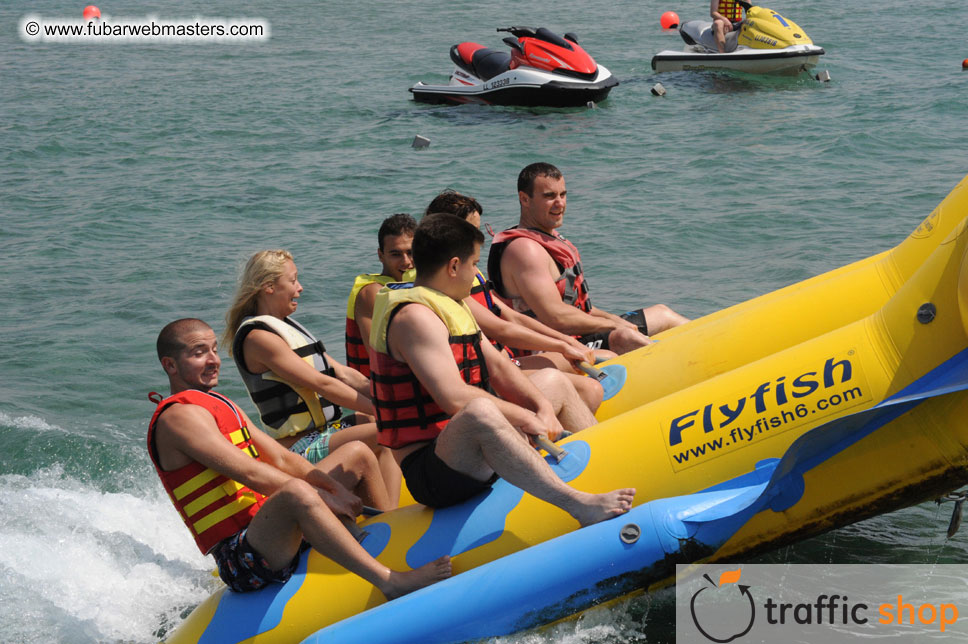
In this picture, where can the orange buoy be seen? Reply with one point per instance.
(964, 63)
(91, 12)
(669, 20)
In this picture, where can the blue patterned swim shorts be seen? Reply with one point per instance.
(314, 446)
(243, 569)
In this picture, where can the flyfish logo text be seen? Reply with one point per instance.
(766, 409)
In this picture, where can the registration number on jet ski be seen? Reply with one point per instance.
(501, 82)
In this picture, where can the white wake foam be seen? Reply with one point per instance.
(90, 565)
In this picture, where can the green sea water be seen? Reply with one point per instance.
(136, 179)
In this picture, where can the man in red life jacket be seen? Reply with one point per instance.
(246, 499)
(431, 370)
(540, 273)
(727, 18)
(395, 238)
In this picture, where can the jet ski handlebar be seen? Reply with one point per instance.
(540, 33)
(526, 32)
(744, 4)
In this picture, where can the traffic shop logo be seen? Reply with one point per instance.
(890, 605)
(716, 630)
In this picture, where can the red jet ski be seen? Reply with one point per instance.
(541, 69)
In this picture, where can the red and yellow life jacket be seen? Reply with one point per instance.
(571, 282)
(356, 355)
(405, 411)
(212, 505)
(730, 10)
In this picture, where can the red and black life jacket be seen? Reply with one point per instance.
(571, 281)
(405, 411)
(481, 292)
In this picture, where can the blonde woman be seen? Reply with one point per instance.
(297, 387)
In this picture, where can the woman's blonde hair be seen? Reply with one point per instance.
(262, 269)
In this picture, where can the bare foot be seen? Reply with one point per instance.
(598, 507)
(401, 583)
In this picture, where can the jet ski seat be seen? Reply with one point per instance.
(708, 40)
(479, 60)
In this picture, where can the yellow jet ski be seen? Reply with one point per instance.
(765, 43)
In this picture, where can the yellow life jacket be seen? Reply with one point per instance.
(356, 355)
(456, 315)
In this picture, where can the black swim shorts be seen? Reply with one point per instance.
(243, 569)
(434, 483)
(599, 339)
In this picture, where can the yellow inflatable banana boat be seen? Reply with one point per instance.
(812, 407)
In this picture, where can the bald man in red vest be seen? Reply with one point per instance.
(248, 501)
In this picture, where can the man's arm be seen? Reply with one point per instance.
(514, 386)
(339, 499)
(419, 338)
(189, 433)
(617, 320)
(522, 337)
(526, 270)
(363, 311)
(576, 347)
(266, 350)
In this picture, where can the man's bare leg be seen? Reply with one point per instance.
(389, 470)
(297, 512)
(588, 389)
(479, 441)
(626, 339)
(572, 412)
(719, 34)
(660, 318)
(354, 465)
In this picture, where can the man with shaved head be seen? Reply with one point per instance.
(247, 500)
